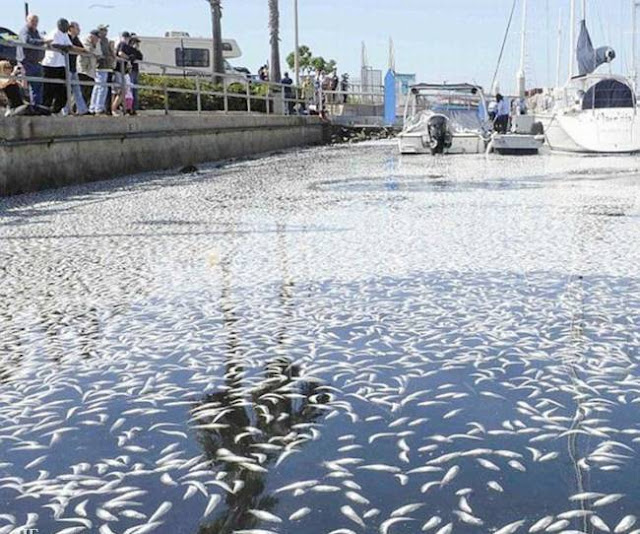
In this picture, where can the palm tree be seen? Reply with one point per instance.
(218, 58)
(274, 33)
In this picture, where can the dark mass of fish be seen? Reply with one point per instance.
(329, 341)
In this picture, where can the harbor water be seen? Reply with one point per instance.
(337, 339)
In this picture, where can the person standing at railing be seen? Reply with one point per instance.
(503, 110)
(87, 64)
(136, 56)
(81, 105)
(335, 81)
(122, 68)
(54, 65)
(128, 51)
(30, 58)
(287, 82)
(344, 87)
(103, 70)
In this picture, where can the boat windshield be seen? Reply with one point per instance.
(608, 94)
(466, 111)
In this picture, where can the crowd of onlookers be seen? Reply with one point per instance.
(103, 73)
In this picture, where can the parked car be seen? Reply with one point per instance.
(7, 52)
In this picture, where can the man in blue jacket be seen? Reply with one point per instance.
(31, 58)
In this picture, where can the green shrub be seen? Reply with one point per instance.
(154, 99)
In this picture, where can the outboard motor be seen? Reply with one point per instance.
(439, 134)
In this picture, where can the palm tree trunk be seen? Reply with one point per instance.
(217, 65)
(274, 32)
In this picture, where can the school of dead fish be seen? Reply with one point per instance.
(254, 352)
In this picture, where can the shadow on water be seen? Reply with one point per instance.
(272, 415)
(254, 423)
(432, 184)
(154, 235)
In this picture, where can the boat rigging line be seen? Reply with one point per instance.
(504, 44)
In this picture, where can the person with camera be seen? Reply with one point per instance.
(13, 86)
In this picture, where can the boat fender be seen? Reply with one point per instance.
(537, 128)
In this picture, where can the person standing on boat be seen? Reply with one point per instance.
(501, 124)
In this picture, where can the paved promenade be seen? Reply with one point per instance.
(325, 340)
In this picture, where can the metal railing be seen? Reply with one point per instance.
(211, 92)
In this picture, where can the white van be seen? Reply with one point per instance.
(179, 49)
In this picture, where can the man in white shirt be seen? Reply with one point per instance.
(503, 111)
(54, 65)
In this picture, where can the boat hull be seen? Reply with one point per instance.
(606, 131)
(460, 144)
(516, 144)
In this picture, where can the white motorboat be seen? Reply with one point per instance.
(520, 140)
(445, 119)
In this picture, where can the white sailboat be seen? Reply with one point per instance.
(593, 113)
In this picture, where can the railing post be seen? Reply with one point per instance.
(199, 94)
(225, 95)
(248, 96)
(123, 87)
(268, 98)
(285, 104)
(166, 91)
(67, 78)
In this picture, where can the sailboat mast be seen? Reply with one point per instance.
(523, 47)
(559, 57)
(634, 43)
(572, 37)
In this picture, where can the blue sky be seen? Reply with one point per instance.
(440, 40)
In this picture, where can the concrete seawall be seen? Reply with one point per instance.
(45, 152)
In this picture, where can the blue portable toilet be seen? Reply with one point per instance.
(390, 98)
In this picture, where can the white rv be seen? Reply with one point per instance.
(179, 49)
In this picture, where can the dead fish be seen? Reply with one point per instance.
(541, 524)
(299, 514)
(609, 499)
(351, 514)
(510, 528)
(213, 502)
(598, 523)
(447, 529)
(356, 497)
(406, 509)
(625, 524)
(162, 510)
(468, 518)
(558, 525)
(263, 515)
(386, 525)
(432, 523)
(450, 475)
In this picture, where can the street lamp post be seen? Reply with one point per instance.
(297, 43)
